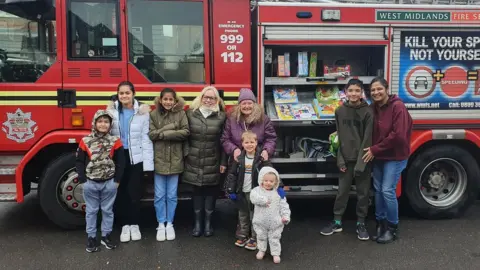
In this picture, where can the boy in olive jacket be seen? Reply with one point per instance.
(354, 120)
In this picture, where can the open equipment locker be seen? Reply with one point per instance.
(361, 47)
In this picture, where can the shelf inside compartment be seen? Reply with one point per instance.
(310, 64)
(269, 81)
(311, 115)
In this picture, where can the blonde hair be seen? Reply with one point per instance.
(197, 102)
(254, 118)
(249, 135)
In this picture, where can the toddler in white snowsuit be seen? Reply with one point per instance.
(270, 213)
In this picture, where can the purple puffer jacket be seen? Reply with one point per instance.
(232, 135)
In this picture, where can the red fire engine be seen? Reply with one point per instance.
(61, 60)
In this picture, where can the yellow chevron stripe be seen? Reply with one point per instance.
(79, 103)
(145, 94)
(149, 102)
(86, 94)
(28, 103)
(98, 93)
(27, 93)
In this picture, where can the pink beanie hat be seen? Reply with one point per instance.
(246, 94)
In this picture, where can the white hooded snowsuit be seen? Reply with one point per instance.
(267, 219)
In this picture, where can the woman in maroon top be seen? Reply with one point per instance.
(390, 151)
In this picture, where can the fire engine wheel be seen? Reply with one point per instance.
(60, 193)
(442, 182)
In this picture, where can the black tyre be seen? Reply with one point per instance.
(53, 193)
(442, 182)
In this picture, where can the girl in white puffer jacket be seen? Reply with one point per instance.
(271, 213)
(131, 124)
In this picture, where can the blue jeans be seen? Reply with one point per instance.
(165, 197)
(99, 195)
(385, 179)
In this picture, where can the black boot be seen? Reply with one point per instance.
(389, 235)
(381, 227)
(209, 208)
(198, 208)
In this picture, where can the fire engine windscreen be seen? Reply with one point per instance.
(166, 40)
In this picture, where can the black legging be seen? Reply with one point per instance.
(206, 190)
(130, 193)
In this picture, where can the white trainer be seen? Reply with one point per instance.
(170, 232)
(125, 235)
(161, 232)
(135, 232)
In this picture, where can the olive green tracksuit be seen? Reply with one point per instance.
(354, 129)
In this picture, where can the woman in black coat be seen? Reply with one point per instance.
(206, 161)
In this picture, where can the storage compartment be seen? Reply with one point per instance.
(363, 60)
(302, 88)
(307, 83)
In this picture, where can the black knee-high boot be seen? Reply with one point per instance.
(198, 209)
(209, 209)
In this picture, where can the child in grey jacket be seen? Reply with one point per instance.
(271, 213)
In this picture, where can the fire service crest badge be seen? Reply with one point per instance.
(19, 126)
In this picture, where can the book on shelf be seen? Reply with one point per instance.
(300, 111)
(302, 64)
(283, 95)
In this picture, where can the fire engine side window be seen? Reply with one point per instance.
(27, 40)
(93, 30)
(166, 40)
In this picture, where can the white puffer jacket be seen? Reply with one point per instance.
(139, 144)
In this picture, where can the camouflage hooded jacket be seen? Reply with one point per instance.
(100, 156)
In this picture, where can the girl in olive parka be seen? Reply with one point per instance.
(168, 131)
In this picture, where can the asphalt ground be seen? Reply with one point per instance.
(28, 240)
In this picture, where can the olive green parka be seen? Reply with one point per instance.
(169, 132)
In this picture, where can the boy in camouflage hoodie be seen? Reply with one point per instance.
(100, 163)
(271, 213)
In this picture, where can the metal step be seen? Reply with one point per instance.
(8, 197)
(8, 188)
(7, 170)
(297, 160)
(308, 175)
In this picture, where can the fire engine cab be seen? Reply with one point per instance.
(61, 60)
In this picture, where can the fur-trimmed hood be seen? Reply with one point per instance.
(179, 105)
(141, 108)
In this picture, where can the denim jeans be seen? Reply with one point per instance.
(165, 197)
(385, 179)
(99, 195)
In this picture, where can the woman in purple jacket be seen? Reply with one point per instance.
(248, 115)
(390, 150)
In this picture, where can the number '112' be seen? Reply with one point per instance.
(234, 57)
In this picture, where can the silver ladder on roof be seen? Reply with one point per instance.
(390, 2)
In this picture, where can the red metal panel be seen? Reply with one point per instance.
(42, 113)
(39, 120)
(232, 59)
(473, 136)
(288, 14)
(360, 15)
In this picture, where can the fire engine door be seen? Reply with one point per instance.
(95, 55)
